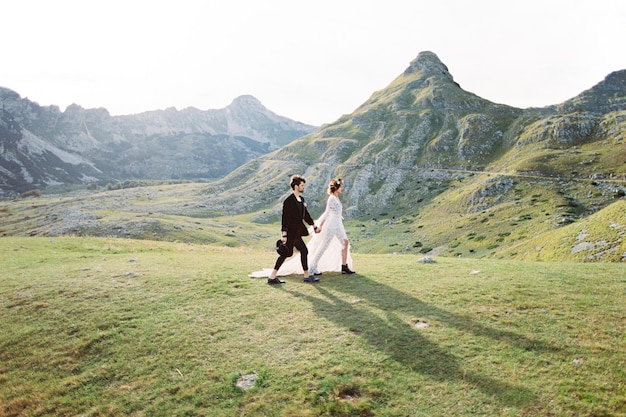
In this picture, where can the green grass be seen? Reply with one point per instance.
(104, 327)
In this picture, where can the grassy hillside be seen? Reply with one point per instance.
(163, 212)
(483, 215)
(601, 236)
(103, 327)
(497, 216)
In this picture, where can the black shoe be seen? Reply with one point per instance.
(346, 270)
(272, 281)
(311, 278)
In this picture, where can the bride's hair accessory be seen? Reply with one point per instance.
(335, 185)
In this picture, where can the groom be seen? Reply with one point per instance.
(295, 213)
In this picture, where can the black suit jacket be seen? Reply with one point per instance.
(293, 219)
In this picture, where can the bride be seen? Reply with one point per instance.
(329, 250)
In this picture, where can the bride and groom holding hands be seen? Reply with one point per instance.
(328, 248)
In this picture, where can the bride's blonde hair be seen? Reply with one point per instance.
(334, 185)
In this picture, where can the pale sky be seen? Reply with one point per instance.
(311, 61)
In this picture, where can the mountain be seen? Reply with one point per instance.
(428, 168)
(423, 131)
(442, 168)
(42, 146)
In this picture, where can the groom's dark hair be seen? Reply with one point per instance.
(296, 180)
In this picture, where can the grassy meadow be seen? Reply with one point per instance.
(120, 327)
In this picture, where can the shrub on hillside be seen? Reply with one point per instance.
(31, 193)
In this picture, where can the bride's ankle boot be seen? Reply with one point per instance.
(346, 270)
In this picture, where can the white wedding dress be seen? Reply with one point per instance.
(324, 247)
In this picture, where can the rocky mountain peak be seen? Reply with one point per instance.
(428, 63)
(247, 102)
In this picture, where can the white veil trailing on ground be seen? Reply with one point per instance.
(329, 262)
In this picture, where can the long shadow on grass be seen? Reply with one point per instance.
(391, 299)
(406, 345)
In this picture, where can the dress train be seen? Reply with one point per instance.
(330, 260)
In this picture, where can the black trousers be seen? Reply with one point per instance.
(299, 244)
